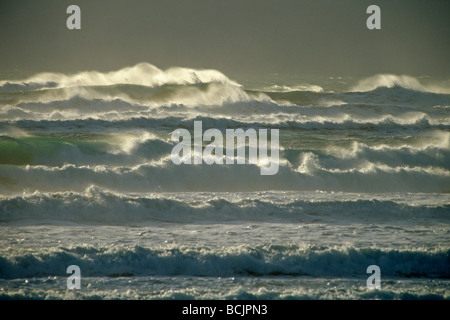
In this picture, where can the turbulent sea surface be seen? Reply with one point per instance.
(86, 178)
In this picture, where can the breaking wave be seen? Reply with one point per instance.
(144, 74)
(392, 81)
(198, 261)
(103, 207)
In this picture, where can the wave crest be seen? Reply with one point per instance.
(198, 261)
(144, 74)
(391, 81)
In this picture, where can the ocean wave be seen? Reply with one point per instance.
(203, 94)
(129, 150)
(383, 125)
(359, 155)
(130, 101)
(103, 207)
(144, 90)
(268, 260)
(232, 288)
(144, 74)
(379, 98)
(300, 87)
(392, 81)
(142, 87)
(163, 175)
(129, 89)
(114, 150)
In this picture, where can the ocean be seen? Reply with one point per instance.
(87, 179)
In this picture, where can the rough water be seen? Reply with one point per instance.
(86, 178)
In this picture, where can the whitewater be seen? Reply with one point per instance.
(86, 179)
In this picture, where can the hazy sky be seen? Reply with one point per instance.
(234, 36)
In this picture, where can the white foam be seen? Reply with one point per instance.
(391, 80)
(226, 261)
(144, 74)
(284, 88)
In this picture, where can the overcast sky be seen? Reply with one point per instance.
(327, 37)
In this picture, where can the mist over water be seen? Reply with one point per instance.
(385, 131)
